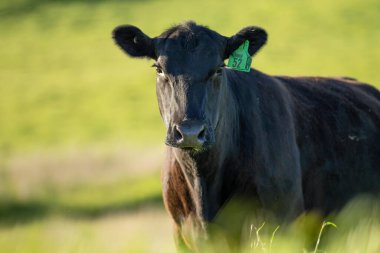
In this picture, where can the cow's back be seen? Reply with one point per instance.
(338, 134)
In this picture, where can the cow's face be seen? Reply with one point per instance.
(189, 61)
(189, 78)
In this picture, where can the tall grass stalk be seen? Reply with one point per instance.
(325, 224)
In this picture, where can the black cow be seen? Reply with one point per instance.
(290, 143)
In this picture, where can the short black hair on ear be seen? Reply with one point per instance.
(134, 42)
(256, 36)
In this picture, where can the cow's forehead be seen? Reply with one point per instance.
(189, 52)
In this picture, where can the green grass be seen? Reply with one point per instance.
(356, 228)
(84, 200)
(127, 233)
(64, 82)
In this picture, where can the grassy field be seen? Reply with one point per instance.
(64, 82)
(80, 132)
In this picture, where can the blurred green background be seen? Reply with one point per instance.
(81, 139)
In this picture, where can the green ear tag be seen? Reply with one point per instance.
(240, 59)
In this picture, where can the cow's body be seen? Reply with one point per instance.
(338, 135)
(289, 144)
(325, 131)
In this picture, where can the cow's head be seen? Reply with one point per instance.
(189, 60)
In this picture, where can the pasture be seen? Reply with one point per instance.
(81, 138)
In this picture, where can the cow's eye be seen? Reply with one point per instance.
(218, 71)
(159, 71)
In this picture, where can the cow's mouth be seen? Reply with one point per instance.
(195, 149)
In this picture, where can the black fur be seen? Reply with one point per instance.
(256, 36)
(133, 41)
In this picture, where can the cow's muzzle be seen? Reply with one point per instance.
(189, 134)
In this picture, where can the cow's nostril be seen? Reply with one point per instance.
(177, 133)
(202, 134)
(188, 134)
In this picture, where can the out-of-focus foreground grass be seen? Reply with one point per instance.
(80, 132)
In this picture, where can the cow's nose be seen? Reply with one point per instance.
(190, 134)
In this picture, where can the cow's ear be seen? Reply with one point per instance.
(256, 36)
(133, 41)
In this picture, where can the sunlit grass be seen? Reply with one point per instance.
(141, 231)
(356, 228)
(86, 200)
(63, 80)
(149, 230)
